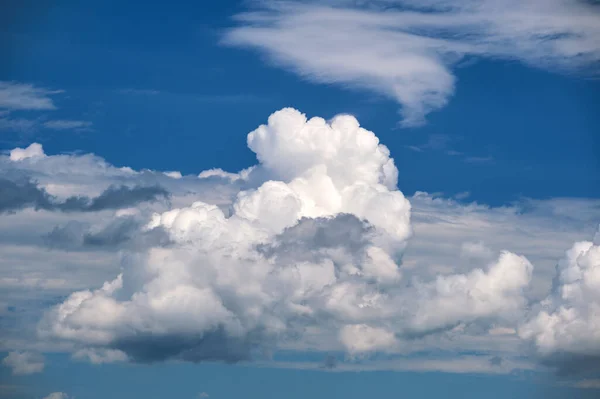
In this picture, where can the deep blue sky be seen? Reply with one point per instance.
(532, 133)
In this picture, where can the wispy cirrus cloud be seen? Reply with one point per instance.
(16, 97)
(406, 49)
(64, 124)
(22, 125)
(195, 97)
(479, 159)
(443, 143)
(24, 96)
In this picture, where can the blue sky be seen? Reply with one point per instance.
(504, 116)
(492, 125)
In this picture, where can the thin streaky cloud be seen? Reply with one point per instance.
(62, 124)
(406, 50)
(479, 159)
(23, 96)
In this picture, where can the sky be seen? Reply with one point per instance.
(300, 198)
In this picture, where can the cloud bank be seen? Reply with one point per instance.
(314, 248)
(311, 254)
(406, 49)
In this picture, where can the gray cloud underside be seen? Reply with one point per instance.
(16, 195)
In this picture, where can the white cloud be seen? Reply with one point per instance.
(406, 49)
(285, 254)
(174, 174)
(566, 326)
(247, 268)
(23, 363)
(359, 338)
(314, 247)
(478, 294)
(57, 395)
(34, 150)
(218, 172)
(21, 96)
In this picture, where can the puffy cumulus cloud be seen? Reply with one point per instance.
(565, 329)
(23, 363)
(48, 253)
(233, 279)
(477, 294)
(314, 248)
(406, 49)
(34, 150)
(290, 146)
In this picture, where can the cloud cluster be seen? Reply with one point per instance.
(565, 330)
(278, 257)
(406, 49)
(313, 250)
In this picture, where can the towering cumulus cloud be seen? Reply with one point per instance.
(313, 250)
